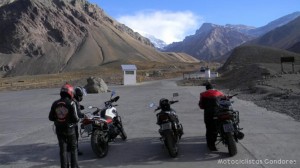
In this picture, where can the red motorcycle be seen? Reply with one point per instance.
(227, 124)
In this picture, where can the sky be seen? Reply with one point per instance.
(173, 20)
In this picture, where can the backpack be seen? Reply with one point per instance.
(61, 112)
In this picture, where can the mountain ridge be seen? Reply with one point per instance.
(226, 38)
(43, 37)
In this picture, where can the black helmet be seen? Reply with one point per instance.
(209, 86)
(164, 104)
(79, 93)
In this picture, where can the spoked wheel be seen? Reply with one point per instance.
(99, 143)
(122, 132)
(121, 129)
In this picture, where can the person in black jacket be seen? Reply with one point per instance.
(207, 102)
(79, 93)
(64, 115)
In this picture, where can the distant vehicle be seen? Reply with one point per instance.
(202, 69)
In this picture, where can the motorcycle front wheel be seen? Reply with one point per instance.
(121, 129)
(99, 143)
(170, 143)
(122, 132)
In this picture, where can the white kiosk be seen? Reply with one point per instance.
(129, 74)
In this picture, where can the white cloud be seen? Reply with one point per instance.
(165, 25)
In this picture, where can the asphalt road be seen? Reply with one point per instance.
(27, 139)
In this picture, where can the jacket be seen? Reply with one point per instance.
(64, 115)
(208, 100)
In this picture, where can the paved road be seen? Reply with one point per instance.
(27, 139)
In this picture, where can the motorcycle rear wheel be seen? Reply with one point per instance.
(231, 144)
(170, 143)
(99, 144)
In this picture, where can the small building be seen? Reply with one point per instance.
(207, 73)
(129, 74)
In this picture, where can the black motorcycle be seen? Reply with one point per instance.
(170, 128)
(104, 125)
(227, 124)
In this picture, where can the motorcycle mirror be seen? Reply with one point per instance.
(151, 105)
(175, 94)
(112, 93)
(116, 98)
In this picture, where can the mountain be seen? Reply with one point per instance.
(213, 42)
(272, 25)
(295, 48)
(284, 37)
(42, 36)
(159, 44)
(210, 41)
(241, 28)
(248, 63)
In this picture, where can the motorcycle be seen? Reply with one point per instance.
(227, 124)
(103, 125)
(169, 127)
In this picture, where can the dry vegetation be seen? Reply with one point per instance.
(111, 73)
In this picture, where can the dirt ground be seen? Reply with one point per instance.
(267, 87)
(280, 94)
(263, 84)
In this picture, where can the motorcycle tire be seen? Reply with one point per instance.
(99, 143)
(170, 143)
(122, 132)
(231, 144)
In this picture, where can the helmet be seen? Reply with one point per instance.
(209, 86)
(164, 104)
(79, 93)
(67, 90)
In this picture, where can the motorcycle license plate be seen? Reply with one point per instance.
(88, 128)
(228, 127)
(166, 126)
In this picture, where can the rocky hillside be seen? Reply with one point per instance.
(42, 36)
(210, 41)
(214, 42)
(284, 37)
(273, 24)
(250, 63)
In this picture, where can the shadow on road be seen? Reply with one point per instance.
(41, 155)
(148, 151)
(135, 151)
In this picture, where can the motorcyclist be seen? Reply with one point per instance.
(78, 96)
(208, 102)
(64, 115)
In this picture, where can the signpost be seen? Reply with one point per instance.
(287, 59)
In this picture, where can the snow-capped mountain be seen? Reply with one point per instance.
(158, 43)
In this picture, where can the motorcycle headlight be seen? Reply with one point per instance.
(96, 122)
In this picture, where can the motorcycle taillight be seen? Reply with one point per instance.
(225, 116)
(163, 117)
(86, 121)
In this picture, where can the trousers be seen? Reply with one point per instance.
(65, 141)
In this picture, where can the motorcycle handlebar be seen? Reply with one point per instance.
(173, 101)
(232, 96)
(158, 108)
(97, 111)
